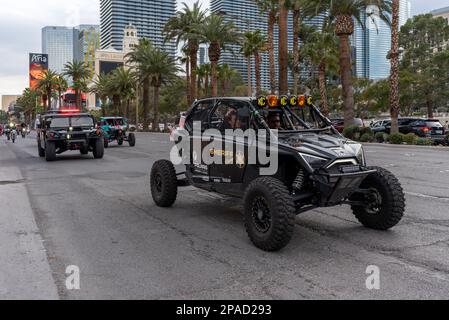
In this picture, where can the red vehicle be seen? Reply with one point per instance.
(68, 101)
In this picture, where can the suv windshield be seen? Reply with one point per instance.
(82, 122)
(58, 122)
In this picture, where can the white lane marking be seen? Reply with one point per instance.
(425, 196)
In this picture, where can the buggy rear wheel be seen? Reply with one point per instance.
(164, 183)
(132, 140)
(98, 149)
(269, 214)
(384, 198)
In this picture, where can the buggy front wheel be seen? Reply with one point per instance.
(383, 198)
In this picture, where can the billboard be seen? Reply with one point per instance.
(38, 66)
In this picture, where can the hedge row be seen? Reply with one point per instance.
(366, 135)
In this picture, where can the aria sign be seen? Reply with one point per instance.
(38, 67)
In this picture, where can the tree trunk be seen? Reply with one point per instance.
(156, 108)
(250, 80)
(193, 50)
(257, 70)
(59, 98)
(429, 108)
(296, 30)
(146, 102)
(283, 48)
(394, 79)
(189, 95)
(346, 79)
(49, 100)
(214, 57)
(44, 99)
(206, 85)
(323, 90)
(271, 54)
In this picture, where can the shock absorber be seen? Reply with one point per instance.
(299, 182)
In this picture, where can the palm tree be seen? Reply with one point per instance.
(394, 56)
(203, 73)
(283, 47)
(101, 89)
(225, 73)
(161, 69)
(322, 52)
(61, 86)
(254, 43)
(185, 59)
(138, 59)
(219, 34)
(47, 85)
(343, 12)
(124, 84)
(79, 72)
(185, 27)
(272, 8)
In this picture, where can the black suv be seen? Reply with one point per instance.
(58, 133)
(317, 167)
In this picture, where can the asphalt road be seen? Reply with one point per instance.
(99, 216)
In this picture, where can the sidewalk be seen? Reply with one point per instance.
(24, 269)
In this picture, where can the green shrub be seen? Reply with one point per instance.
(351, 132)
(367, 138)
(410, 138)
(366, 130)
(396, 138)
(424, 142)
(386, 137)
(380, 137)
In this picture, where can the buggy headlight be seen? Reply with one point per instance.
(361, 157)
(314, 161)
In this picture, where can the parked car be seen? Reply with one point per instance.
(380, 126)
(339, 124)
(430, 128)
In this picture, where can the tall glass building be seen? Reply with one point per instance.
(372, 44)
(148, 16)
(61, 44)
(246, 15)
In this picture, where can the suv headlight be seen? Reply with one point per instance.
(314, 161)
(361, 157)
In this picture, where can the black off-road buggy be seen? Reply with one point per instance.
(317, 167)
(68, 131)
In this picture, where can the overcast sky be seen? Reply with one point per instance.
(21, 22)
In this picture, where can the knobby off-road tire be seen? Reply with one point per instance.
(164, 184)
(40, 150)
(98, 149)
(269, 214)
(50, 151)
(392, 208)
(132, 140)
